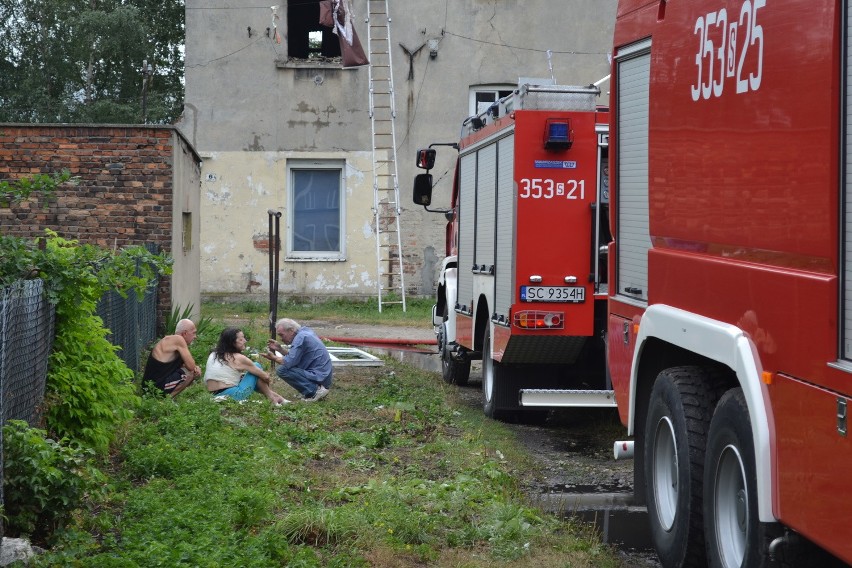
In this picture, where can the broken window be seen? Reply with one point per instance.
(316, 210)
(306, 38)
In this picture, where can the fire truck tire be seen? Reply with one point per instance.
(453, 371)
(499, 402)
(732, 531)
(679, 413)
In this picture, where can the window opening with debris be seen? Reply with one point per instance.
(306, 38)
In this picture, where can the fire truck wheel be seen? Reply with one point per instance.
(454, 372)
(731, 528)
(496, 385)
(679, 415)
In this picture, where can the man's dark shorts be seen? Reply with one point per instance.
(170, 382)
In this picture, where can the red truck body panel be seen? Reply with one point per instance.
(745, 149)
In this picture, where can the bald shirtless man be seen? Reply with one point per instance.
(168, 366)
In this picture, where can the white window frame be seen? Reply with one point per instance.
(294, 166)
(486, 89)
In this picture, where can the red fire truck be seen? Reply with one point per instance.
(730, 313)
(523, 284)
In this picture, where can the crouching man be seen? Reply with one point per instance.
(170, 367)
(305, 365)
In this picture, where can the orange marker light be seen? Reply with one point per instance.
(767, 377)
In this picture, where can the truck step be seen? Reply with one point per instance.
(554, 398)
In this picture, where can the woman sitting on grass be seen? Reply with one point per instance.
(230, 374)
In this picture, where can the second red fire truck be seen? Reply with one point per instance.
(730, 311)
(523, 284)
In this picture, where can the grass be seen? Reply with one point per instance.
(390, 470)
(418, 310)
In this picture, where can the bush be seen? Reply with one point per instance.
(89, 388)
(44, 480)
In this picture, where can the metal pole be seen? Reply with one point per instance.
(270, 240)
(147, 69)
(277, 253)
(274, 248)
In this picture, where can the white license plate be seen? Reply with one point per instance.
(572, 294)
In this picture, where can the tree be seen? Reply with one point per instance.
(81, 60)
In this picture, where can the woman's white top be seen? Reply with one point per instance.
(216, 371)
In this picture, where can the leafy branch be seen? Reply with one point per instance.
(14, 192)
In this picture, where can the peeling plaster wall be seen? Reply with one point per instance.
(237, 191)
(243, 97)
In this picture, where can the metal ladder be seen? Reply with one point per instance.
(386, 204)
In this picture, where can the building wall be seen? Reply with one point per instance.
(136, 183)
(237, 196)
(249, 109)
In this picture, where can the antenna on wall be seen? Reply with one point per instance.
(550, 64)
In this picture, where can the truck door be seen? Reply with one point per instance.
(634, 71)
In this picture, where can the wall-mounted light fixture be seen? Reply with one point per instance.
(433, 48)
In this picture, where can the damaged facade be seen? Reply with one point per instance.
(281, 125)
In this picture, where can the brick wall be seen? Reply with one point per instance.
(125, 192)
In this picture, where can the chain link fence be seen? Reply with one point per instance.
(132, 323)
(26, 336)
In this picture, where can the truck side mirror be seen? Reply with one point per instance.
(423, 189)
(426, 158)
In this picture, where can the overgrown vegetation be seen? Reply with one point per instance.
(44, 480)
(389, 470)
(89, 388)
(386, 471)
